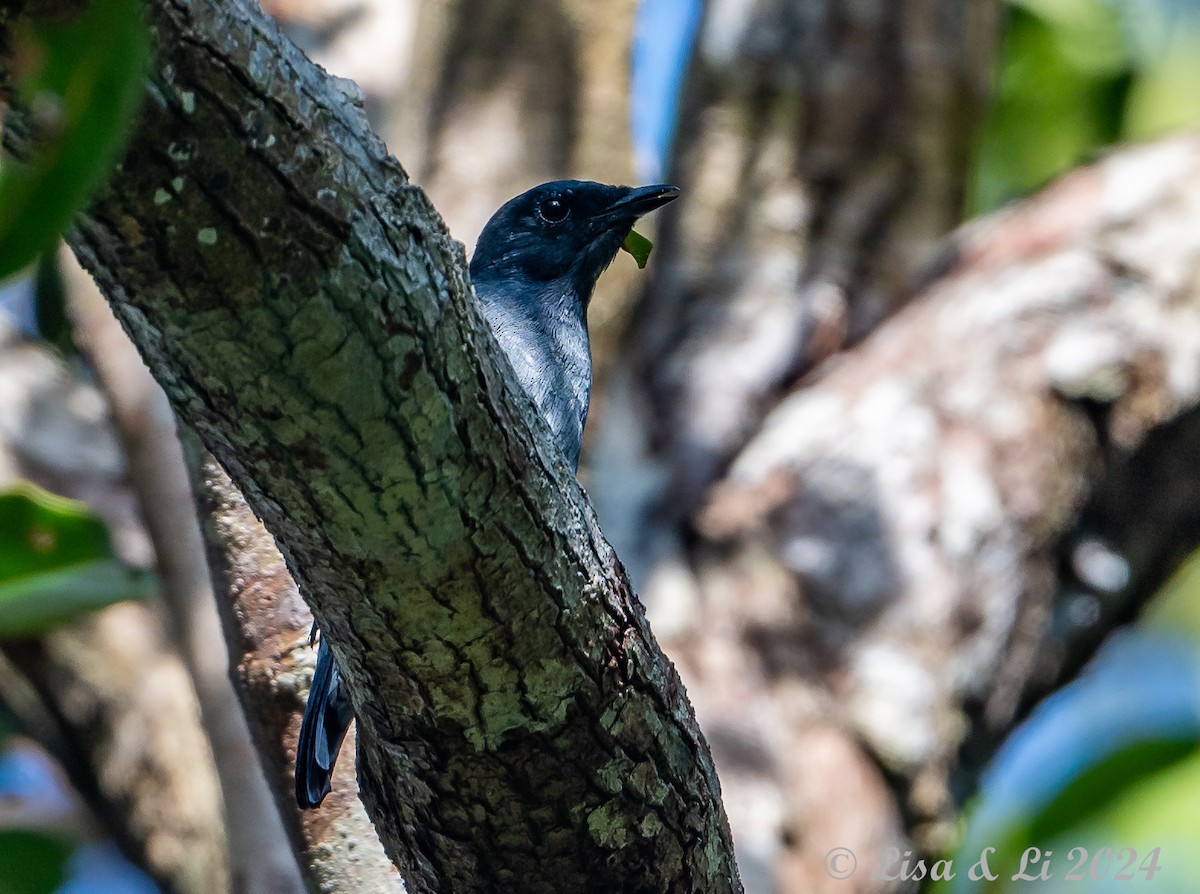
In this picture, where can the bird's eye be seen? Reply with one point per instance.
(553, 210)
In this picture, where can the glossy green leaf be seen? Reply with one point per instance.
(79, 78)
(1139, 807)
(56, 561)
(638, 246)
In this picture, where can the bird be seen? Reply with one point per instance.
(534, 269)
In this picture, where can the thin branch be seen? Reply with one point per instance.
(125, 704)
(117, 706)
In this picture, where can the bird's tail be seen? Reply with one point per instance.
(327, 716)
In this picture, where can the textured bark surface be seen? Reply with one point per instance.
(865, 572)
(308, 316)
(473, 119)
(270, 628)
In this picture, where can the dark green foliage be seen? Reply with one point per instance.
(78, 83)
(32, 862)
(1078, 76)
(56, 561)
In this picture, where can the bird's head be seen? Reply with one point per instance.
(565, 231)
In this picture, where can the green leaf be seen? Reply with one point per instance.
(1061, 84)
(80, 80)
(32, 862)
(55, 562)
(1107, 783)
(638, 246)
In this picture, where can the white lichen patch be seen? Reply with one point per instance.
(971, 507)
(187, 100)
(161, 196)
(177, 184)
(1100, 566)
(892, 702)
(1088, 362)
(207, 236)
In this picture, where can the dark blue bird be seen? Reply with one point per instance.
(534, 269)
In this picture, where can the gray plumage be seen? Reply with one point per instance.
(534, 269)
(534, 277)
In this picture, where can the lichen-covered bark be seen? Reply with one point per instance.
(308, 316)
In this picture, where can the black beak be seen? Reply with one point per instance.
(642, 200)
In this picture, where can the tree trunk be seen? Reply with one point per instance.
(875, 483)
(934, 527)
(823, 160)
(308, 316)
(261, 859)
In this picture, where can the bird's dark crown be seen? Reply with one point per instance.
(563, 230)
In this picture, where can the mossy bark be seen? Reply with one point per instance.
(306, 313)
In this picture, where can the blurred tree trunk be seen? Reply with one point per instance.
(120, 711)
(823, 152)
(503, 96)
(130, 720)
(864, 571)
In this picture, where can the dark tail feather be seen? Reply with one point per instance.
(327, 716)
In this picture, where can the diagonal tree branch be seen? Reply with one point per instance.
(308, 316)
(958, 511)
